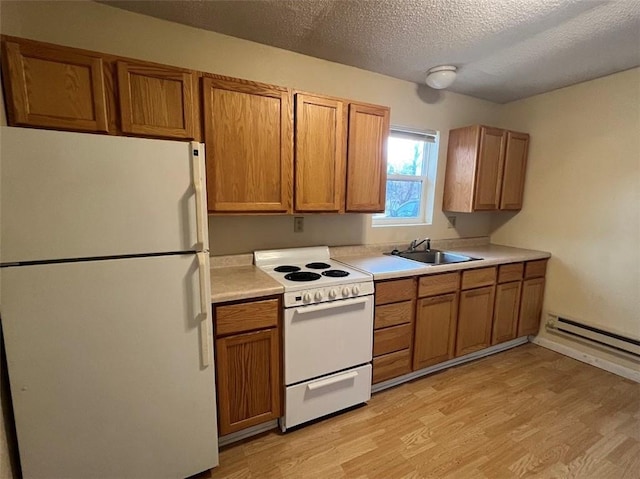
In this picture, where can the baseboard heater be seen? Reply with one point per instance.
(616, 341)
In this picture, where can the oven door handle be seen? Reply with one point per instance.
(331, 305)
(329, 381)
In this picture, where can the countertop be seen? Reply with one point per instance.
(390, 267)
(241, 282)
(233, 283)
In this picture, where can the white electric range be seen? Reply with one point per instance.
(328, 331)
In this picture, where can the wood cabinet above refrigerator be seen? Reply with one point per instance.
(485, 169)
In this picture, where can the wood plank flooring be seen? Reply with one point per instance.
(526, 412)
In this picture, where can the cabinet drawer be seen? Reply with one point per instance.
(391, 339)
(476, 278)
(394, 291)
(393, 314)
(236, 318)
(510, 272)
(391, 365)
(535, 269)
(439, 284)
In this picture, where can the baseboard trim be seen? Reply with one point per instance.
(447, 364)
(604, 364)
(248, 432)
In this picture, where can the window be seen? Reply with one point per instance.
(412, 158)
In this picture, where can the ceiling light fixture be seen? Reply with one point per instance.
(441, 77)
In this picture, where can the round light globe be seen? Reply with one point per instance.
(441, 77)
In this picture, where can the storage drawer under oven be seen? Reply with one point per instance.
(326, 395)
(324, 338)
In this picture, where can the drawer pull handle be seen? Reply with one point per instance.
(333, 380)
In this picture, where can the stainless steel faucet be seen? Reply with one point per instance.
(415, 243)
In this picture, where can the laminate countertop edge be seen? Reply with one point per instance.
(233, 283)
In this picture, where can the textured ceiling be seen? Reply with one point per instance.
(504, 49)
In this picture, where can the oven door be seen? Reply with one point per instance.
(328, 337)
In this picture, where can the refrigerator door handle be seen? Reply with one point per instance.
(206, 337)
(197, 157)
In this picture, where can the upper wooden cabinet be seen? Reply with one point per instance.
(157, 100)
(249, 147)
(320, 153)
(367, 158)
(485, 169)
(54, 87)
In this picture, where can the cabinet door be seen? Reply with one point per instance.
(367, 158)
(474, 320)
(505, 317)
(156, 100)
(531, 306)
(320, 154)
(248, 371)
(249, 146)
(489, 169)
(54, 88)
(435, 334)
(515, 163)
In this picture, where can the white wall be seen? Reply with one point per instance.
(582, 199)
(106, 29)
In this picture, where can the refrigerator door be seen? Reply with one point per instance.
(107, 375)
(74, 195)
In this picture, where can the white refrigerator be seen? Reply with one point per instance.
(105, 305)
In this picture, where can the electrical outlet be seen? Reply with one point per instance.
(298, 224)
(452, 221)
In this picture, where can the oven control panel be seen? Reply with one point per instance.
(328, 293)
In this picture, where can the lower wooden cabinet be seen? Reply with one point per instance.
(505, 315)
(531, 306)
(248, 363)
(475, 318)
(435, 335)
(392, 365)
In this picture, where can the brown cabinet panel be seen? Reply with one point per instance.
(391, 365)
(439, 284)
(474, 320)
(320, 153)
(249, 146)
(435, 334)
(157, 100)
(531, 306)
(367, 158)
(54, 87)
(393, 314)
(476, 278)
(489, 169)
(535, 269)
(510, 272)
(485, 169)
(248, 372)
(515, 164)
(395, 290)
(246, 316)
(505, 314)
(392, 339)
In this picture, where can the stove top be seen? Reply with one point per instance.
(307, 268)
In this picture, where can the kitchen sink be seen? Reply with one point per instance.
(434, 256)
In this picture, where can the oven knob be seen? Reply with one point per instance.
(355, 290)
(333, 294)
(306, 297)
(345, 292)
(318, 296)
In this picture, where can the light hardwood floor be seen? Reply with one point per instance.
(527, 412)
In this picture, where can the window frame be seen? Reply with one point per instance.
(427, 179)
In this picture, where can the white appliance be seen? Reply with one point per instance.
(105, 305)
(328, 331)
